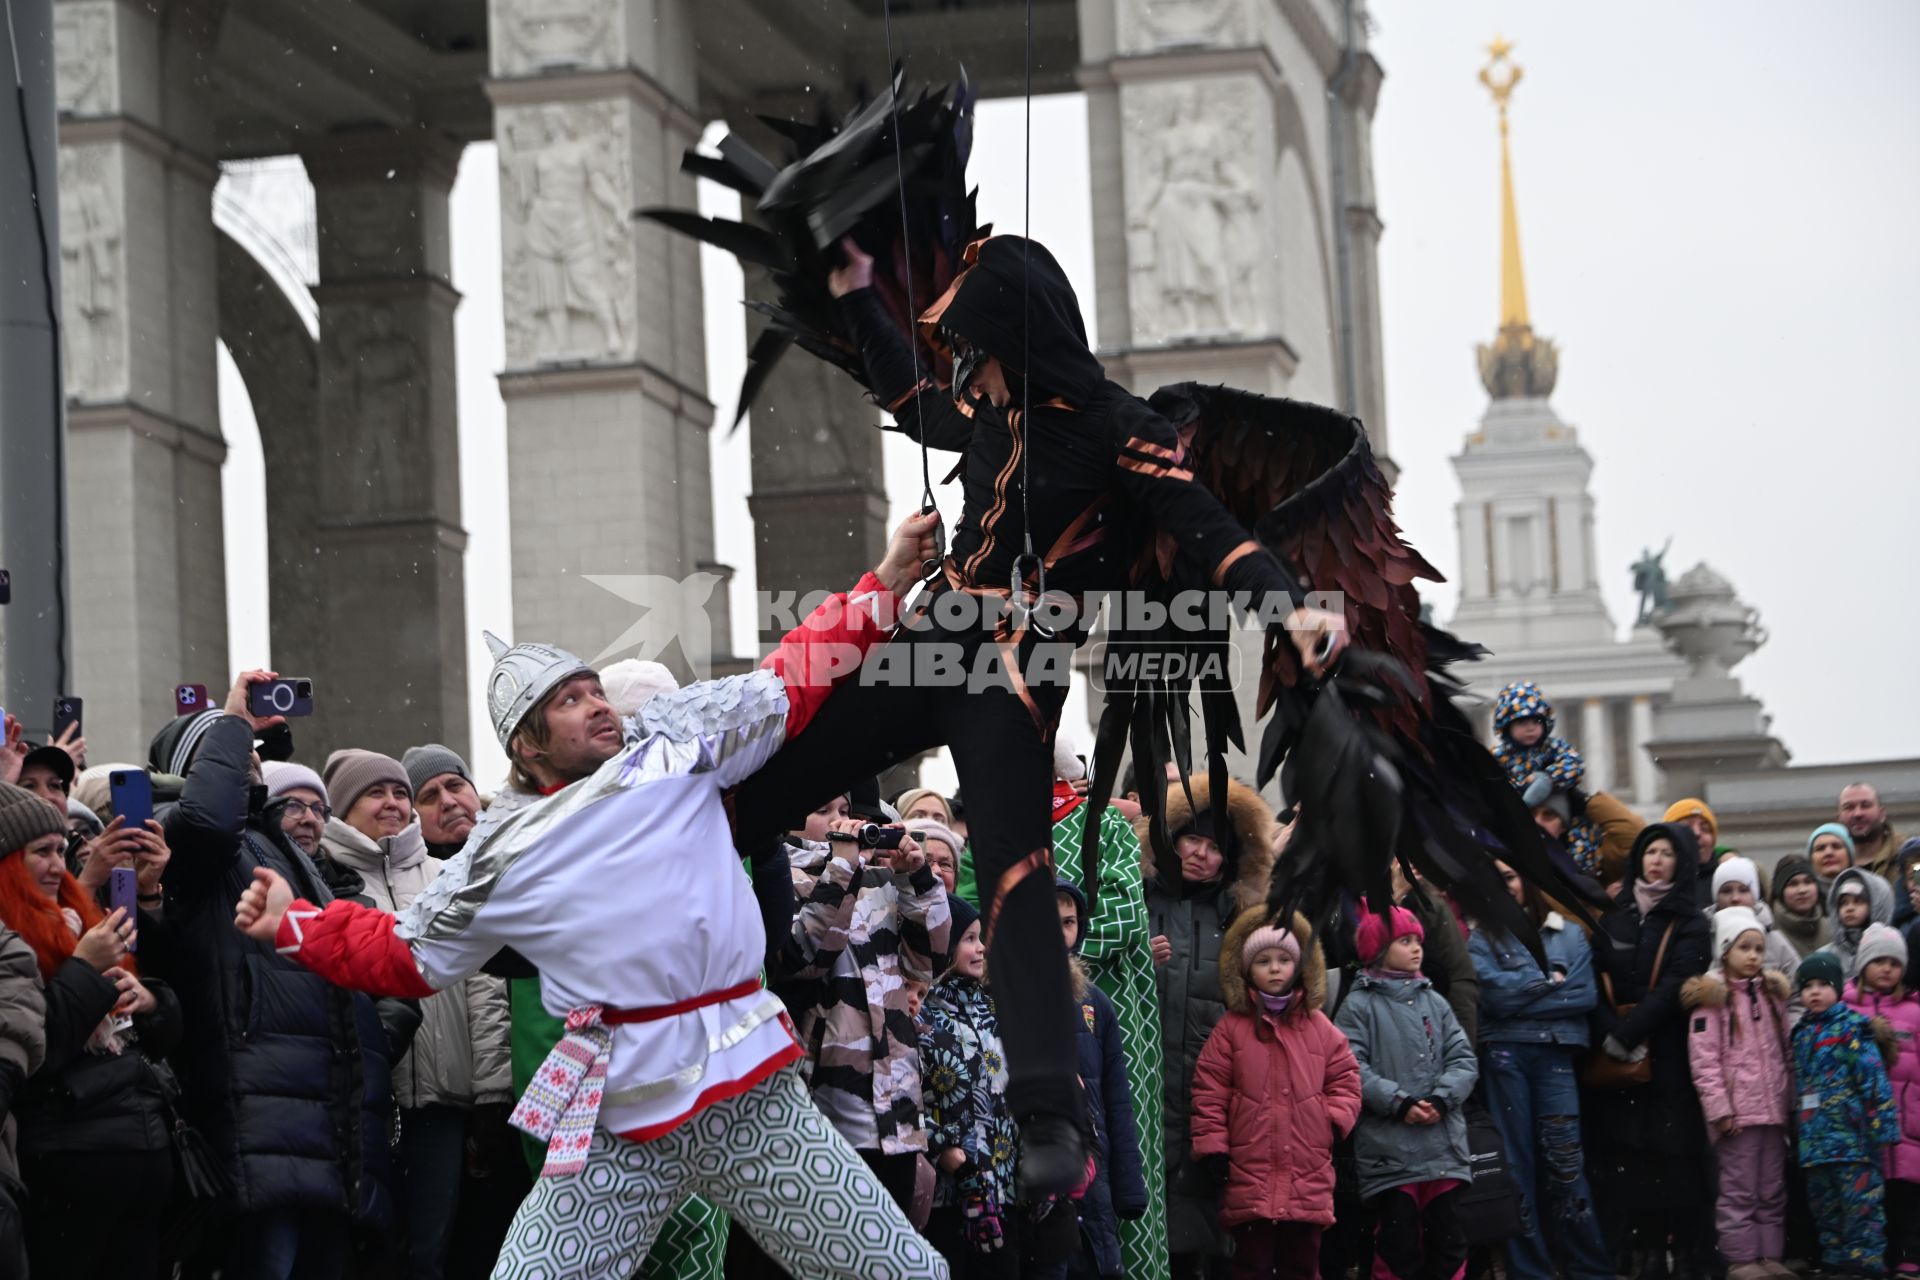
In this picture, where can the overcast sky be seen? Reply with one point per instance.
(1718, 205)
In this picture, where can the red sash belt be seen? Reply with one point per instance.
(653, 1013)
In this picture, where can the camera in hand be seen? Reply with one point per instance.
(289, 697)
(871, 835)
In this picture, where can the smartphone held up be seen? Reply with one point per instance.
(289, 696)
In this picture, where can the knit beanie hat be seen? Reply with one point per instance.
(629, 683)
(424, 764)
(350, 772)
(178, 741)
(1067, 764)
(1738, 868)
(1879, 942)
(1265, 938)
(1559, 803)
(1681, 810)
(925, 829)
(79, 812)
(1821, 966)
(1833, 829)
(1728, 924)
(1373, 935)
(962, 914)
(1786, 868)
(94, 787)
(25, 817)
(284, 776)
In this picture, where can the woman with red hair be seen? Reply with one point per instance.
(95, 1116)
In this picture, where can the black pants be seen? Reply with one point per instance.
(1903, 1223)
(1004, 758)
(947, 1232)
(1414, 1240)
(98, 1214)
(1276, 1251)
(895, 1173)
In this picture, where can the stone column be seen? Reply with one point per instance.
(393, 667)
(1210, 147)
(149, 603)
(1596, 743)
(1640, 725)
(819, 497)
(607, 409)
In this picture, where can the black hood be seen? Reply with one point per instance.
(984, 307)
(1686, 858)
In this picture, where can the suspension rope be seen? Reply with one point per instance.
(928, 568)
(1027, 557)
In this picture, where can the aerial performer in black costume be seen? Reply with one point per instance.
(1074, 488)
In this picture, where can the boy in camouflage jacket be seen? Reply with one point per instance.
(1846, 1118)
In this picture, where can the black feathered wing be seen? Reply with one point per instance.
(1378, 759)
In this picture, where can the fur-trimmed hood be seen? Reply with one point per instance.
(1249, 861)
(1710, 990)
(1310, 981)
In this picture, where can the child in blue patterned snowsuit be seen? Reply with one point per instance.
(1847, 1117)
(1540, 765)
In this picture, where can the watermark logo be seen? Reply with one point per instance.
(672, 611)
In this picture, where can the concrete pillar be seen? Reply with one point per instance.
(1596, 743)
(393, 668)
(1209, 137)
(1645, 780)
(140, 319)
(605, 385)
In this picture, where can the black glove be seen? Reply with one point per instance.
(1213, 1168)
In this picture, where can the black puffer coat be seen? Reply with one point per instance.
(287, 1076)
(1663, 1116)
(99, 1102)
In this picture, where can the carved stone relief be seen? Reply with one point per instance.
(375, 387)
(93, 277)
(1194, 201)
(1146, 25)
(567, 247)
(530, 36)
(83, 58)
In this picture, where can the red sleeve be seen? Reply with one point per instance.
(351, 946)
(828, 645)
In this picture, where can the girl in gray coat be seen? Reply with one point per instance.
(1416, 1070)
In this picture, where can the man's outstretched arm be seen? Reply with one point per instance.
(347, 944)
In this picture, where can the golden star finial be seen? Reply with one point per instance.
(1501, 89)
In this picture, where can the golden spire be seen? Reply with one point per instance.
(1518, 363)
(1513, 281)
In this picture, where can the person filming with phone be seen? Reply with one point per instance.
(96, 1113)
(287, 1077)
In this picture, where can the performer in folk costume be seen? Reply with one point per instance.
(1073, 487)
(621, 887)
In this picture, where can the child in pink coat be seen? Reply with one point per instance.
(1274, 1087)
(1879, 991)
(1737, 1046)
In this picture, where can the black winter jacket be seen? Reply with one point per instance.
(287, 1076)
(1663, 1116)
(97, 1102)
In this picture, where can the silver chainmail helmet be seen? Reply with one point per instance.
(521, 676)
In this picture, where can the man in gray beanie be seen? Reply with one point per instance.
(443, 796)
(677, 1072)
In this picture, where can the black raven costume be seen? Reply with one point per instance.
(1077, 487)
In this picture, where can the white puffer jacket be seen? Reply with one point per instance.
(460, 1057)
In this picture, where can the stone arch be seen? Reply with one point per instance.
(278, 359)
(1291, 136)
